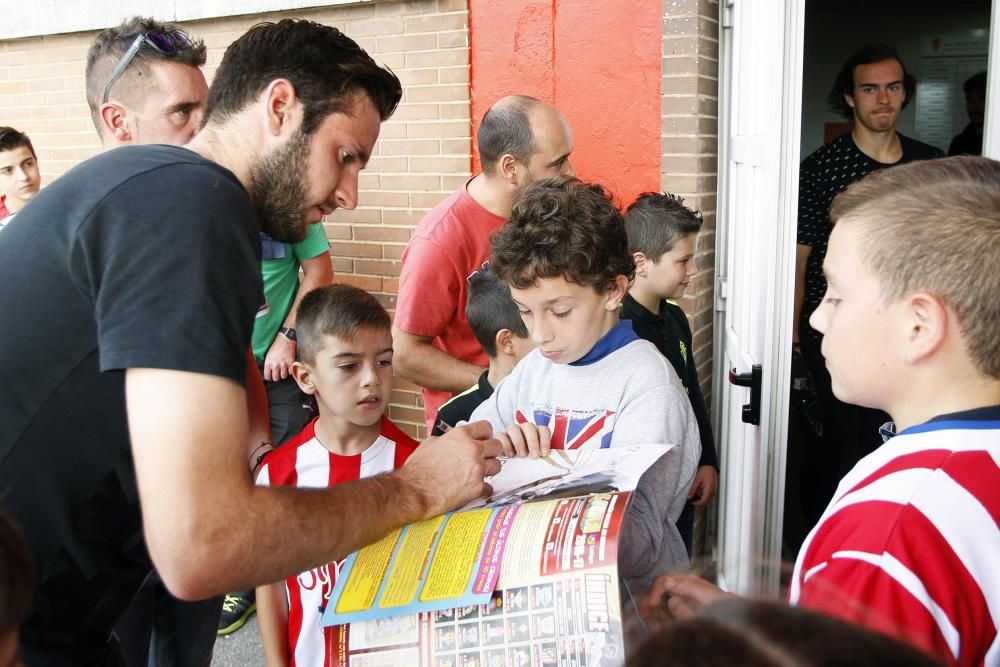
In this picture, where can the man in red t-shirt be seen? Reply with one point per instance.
(521, 140)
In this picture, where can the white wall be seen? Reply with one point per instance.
(832, 34)
(29, 18)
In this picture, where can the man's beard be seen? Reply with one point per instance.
(278, 190)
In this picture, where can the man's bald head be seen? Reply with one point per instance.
(531, 132)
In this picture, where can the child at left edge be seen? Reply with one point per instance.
(19, 179)
(662, 234)
(345, 361)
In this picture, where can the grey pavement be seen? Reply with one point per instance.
(241, 648)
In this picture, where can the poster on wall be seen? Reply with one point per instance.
(946, 61)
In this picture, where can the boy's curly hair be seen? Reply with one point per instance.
(563, 227)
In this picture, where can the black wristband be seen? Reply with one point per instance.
(287, 332)
(257, 459)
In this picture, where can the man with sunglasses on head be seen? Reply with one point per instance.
(123, 415)
(145, 84)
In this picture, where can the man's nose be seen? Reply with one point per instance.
(346, 193)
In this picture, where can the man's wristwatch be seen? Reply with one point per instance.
(287, 332)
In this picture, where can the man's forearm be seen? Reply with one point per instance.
(209, 530)
(427, 366)
(278, 532)
(340, 520)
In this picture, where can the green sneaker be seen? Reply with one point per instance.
(237, 608)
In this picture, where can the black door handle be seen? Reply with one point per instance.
(751, 411)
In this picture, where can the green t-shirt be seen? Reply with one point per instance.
(280, 271)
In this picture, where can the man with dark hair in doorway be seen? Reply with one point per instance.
(970, 140)
(870, 91)
(521, 140)
(128, 446)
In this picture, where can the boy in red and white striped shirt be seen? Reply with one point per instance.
(910, 544)
(345, 361)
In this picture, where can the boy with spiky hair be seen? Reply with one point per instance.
(498, 327)
(591, 382)
(908, 546)
(345, 361)
(662, 235)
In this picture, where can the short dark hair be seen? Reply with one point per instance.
(490, 309)
(506, 129)
(17, 575)
(974, 83)
(757, 633)
(336, 310)
(866, 55)
(325, 66)
(109, 47)
(655, 221)
(11, 139)
(563, 227)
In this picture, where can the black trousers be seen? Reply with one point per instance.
(290, 409)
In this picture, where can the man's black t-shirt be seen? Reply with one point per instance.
(823, 175)
(142, 257)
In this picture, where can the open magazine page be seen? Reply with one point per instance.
(455, 559)
(557, 601)
(570, 472)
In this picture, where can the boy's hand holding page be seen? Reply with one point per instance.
(525, 439)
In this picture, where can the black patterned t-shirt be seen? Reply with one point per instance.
(824, 174)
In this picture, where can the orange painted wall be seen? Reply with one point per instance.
(597, 62)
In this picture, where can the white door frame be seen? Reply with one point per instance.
(763, 529)
(991, 130)
(756, 521)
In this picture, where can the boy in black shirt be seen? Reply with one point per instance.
(497, 324)
(661, 234)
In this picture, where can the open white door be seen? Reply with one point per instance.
(759, 108)
(991, 129)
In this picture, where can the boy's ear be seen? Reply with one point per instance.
(927, 322)
(616, 293)
(303, 377)
(505, 342)
(640, 260)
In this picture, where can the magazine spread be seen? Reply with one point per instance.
(526, 577)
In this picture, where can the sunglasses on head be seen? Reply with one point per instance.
(167, 43)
